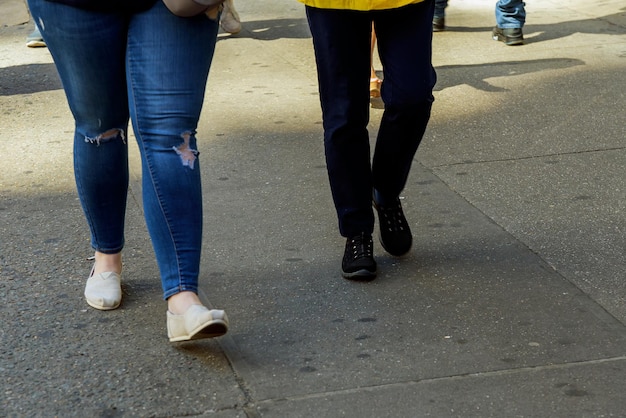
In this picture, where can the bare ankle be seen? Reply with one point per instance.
(180, 302)
(107, 262)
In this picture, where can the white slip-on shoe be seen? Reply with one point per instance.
(230, 20)
(198, 322)
(104, 291)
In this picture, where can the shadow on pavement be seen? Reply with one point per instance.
(28, 79)
(476, 75)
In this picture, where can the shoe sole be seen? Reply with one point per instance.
(35, 44)
(212, 329)
(509, 43)
(232, 33)
(362, 275)
(102, 308)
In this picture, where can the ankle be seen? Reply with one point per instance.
(384, 200)
(180, 302)
(107, 262)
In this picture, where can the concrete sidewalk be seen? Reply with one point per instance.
(511, 303)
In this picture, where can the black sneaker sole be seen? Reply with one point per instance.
(501, 37)
(362, 275)
(511, 42)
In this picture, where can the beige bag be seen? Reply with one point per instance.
(188, 8)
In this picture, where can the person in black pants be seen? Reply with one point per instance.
(341, 40)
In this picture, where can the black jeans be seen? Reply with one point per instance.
(341, 40)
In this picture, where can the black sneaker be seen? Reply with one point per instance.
(510, 36)
(358, 258)
(439, 24)
(395, 234)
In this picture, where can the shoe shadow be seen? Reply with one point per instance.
(475, 75)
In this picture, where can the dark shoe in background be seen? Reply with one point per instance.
(358, 258)
(439, 24)
(510, 36)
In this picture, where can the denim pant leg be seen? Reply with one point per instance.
(440, 8)
(341, 41)
(510, 13)
(166, 69)
(405, 48)
(168, 64)
(88, 50)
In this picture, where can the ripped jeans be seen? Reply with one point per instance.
(151, 67)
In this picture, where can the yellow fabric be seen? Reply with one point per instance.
(359, 4)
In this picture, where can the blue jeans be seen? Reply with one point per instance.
(152, 67)
(440, 8)
(341, 40)
(509, 13)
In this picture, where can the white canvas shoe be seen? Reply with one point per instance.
(198, 322)
(104, 291)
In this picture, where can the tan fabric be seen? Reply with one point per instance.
(188, 8)
(358, 4)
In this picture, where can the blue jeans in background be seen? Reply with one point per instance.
(152, 67)
(440, 8)
(341, 40)
(509, 13)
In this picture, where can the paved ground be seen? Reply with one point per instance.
(512, 302)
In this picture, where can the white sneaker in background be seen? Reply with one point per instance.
(230, 21)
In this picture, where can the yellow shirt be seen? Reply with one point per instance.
(359, 4)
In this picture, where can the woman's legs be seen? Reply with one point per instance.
(88, 49)
(167, 73)
(166, 97)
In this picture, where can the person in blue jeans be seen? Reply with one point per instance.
(510, 19)
(119, 60)
(34, 39)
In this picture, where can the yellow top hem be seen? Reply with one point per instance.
(363, 5)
